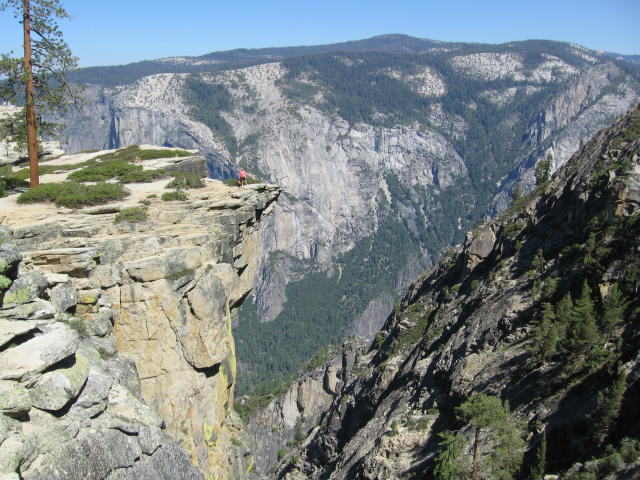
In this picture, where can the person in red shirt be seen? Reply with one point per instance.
(242, 179)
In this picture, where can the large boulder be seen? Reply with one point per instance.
(25, 288)
(54, 389)
(38, 353)
(63, 296)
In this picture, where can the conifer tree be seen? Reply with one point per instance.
(537, 469)
(613, 307)
(608, 408)
(485, 412)
(450, 463)
(546, 334)
(583, 330)
(40, 75)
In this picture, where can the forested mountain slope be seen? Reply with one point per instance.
(385, 159)
(518, 354)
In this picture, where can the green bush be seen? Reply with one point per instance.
(186, 180)
(9, 183)
(73, 194)
(134, 151)
(99, 173)
(175, 195)
(131, 215)
(123, 171)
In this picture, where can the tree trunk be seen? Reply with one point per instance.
(32, 141)
(476, 455)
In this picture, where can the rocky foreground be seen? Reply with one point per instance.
(116, 353)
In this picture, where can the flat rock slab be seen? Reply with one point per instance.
(10, 329)
(39, 353)
(37, 309)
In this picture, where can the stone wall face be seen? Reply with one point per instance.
(172, 283)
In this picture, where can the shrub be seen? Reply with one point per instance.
(134, 151)
(186, 180)
(131, 215)
(99, 173)
(123, 171)
(73, 194)
(9, 183)
(175, 195)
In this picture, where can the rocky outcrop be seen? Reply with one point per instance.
(70, 405)
(161, 292)
(475, 325)
(280, 428)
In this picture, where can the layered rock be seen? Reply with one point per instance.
(70, 405)
(161, 292)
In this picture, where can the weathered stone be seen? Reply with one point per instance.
(14, 399)
(38, 353)
(123, 404)
(155, 268)
(89, 297)
(54, 389)
(25, 288)
(63, 296)
(10, 329)
(37, 309)
(9, 255)
(94, 396)
(13, 451)
(106, 275)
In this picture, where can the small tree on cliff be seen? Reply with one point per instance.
(488, 415)
(39, 75)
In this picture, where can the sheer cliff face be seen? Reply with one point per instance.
(161, 293)
(334, 174)
(475, 324)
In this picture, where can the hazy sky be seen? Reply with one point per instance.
(107, 32)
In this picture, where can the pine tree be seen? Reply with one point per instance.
(40, 74)
(537, 469)
(450, 463)
(563, 316)
(485, 412)
(608, 408)
(546, 334)
(583, 330)
(613, 307)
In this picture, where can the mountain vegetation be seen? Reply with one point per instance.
(527, 348)
(358, 87)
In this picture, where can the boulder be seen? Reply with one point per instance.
(38, 353)
(10, 329)
(123, 405)
(14, 398)
(63, 296)
(54, 389)
(36, 309)
(25, 288)
(9, 255)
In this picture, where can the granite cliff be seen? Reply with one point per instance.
(461, 126)
(118, 359)
(538, 309)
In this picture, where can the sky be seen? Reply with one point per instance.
(116, 32)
